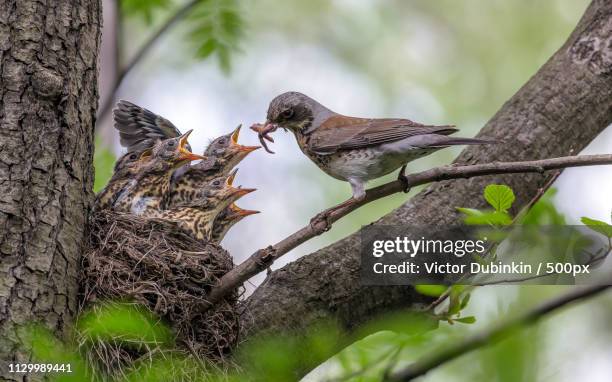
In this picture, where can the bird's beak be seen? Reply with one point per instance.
(239, 147)
(236, 192)
(241, 212)
(145, 154)
(240, 192)
(185, 154)
(236, 134)
(230, 179)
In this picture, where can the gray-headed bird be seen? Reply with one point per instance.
(354, 149)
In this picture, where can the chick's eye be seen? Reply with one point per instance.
(287, 113)
(216, 183)
(133, 156)
(221, 141)
(171, 143)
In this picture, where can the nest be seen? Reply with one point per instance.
(152, 264)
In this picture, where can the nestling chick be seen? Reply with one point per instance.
(222, 155)
(226, 219)
(125, 170)
(149, 190)
(196, 217)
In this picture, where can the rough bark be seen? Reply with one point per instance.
(564, 106)
(48, 102)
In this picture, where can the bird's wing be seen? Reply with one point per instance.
(345, 133)
(140, 128)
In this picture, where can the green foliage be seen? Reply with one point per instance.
(127, 323)
(104, 161)
(143, 8)
(217, 29)
(499, 196)
(598, 226)
(432, 290)
(544, 212)
(46, 348)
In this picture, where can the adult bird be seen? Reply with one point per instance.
(354, 149)
(149, 190)
(226, 219)
(196, 217)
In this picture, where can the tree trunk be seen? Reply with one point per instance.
(558, 112)
(48, 102)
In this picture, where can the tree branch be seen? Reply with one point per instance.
(496, 333)
(180, 13)
(263, 258)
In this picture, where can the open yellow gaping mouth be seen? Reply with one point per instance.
(234, 142)
(241, 212)
(236, 191)
(185, 154)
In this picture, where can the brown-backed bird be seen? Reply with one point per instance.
(196, 217)
(353, 149)
(149, 190)
(226, 219)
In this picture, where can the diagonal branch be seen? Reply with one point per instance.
(494, 334)
(180, 14)
(262, 259)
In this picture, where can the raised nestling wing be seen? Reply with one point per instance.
(140, 128)
(345, 133)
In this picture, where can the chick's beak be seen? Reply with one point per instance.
(239, 147)
(240, 192)
(185, 154)
(239, 213)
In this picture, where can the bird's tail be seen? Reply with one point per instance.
(441, 141)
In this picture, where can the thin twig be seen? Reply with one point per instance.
(107, 103)
(494, 334)
(263, 258)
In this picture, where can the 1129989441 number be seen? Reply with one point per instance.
(40, 368)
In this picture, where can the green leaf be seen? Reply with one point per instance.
(466, 320)
(104, 161)
(597, 226)
(432, 290)
(465, 301)
(469, 211)
(476, 217)
(143, 8)
(499, 196)
(125, 322)
(218, 28)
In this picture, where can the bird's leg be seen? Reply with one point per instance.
(358, 187)
(404, 179)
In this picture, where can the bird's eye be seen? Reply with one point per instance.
(133, 157)
(216, 183)
(287, 113)
(222, 141)
(171, 143)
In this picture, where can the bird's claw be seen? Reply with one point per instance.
(404, 179)
(263, 132)
(322, 218)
